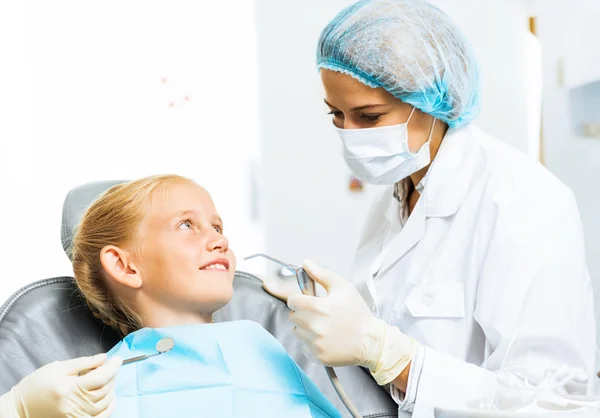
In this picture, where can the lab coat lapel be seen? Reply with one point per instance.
(448, 181)
(450, 174)
(447, 184)
(370, 245)
(409, 236)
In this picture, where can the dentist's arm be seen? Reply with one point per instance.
(534, 305)
(282, 290)
(401, 382)
(340, 330)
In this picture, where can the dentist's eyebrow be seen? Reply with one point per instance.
(329, 104)
(355, 109)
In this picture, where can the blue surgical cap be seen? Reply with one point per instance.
(411, 49)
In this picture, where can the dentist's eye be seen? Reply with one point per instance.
(370, 118)
(187, 224)
(336, 114)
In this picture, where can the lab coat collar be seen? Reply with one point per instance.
(447, 180)
(412, 232)
(448, 177)
(445, 189)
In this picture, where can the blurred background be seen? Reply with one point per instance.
(227, 93)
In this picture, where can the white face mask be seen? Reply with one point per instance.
(381, 155)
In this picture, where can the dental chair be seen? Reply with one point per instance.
(48, 320)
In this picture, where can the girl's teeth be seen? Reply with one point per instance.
(216, 267)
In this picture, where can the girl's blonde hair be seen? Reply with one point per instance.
(113, 219)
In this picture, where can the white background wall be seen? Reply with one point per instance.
(82, 98)
(571, 33)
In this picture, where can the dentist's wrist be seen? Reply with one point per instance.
(8, 408)
(374, 341)
(396, 350)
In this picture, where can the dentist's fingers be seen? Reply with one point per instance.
(305, 303)
(280, 288)
(326, 278)
(82, 364)
(102, 375)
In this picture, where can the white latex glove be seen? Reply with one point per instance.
(339, 329)
(56, 390)
(280, 288)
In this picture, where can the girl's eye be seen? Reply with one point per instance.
(187, 224)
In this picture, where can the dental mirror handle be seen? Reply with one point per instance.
(138, 358)
(126, 361)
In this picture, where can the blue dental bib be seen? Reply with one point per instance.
(224, 370)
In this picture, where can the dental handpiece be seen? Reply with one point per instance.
(307, 287)
(306, 284)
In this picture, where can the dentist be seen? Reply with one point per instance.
(472, 259)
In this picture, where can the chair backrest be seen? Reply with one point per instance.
(48, 320)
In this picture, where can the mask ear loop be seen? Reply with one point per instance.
(431, 131)
(432, 124)
(426, 144)
(410, 116)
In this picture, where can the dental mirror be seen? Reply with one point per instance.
(164, 345)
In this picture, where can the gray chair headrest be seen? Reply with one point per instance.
(75, 205)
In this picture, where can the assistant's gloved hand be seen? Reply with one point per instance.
(56, 390)
(340, 330)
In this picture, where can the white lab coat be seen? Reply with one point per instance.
(492, 256)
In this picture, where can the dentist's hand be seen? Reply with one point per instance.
(340, 330)
(56, 390)
(281, 288)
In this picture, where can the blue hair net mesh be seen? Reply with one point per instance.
(411, 49)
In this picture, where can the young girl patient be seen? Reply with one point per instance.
(151, 258)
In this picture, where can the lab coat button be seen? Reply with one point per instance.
(427, 299)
